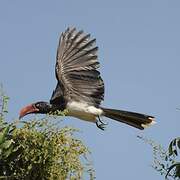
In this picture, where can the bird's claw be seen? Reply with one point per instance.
(101, 126)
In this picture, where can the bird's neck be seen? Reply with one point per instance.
(55, 107)
(51, 108)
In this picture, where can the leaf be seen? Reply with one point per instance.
(178, 143)
(170, 149)
(8, 152)
(3, 134)
(177, 171)
(175, 152)
(166, 158)
(174, 142)
(6, 144)
(171, 167)
(173, 146)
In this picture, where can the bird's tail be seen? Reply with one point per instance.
(134, 119)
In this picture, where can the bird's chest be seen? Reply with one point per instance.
(83, 111)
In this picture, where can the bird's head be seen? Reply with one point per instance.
(38, 107)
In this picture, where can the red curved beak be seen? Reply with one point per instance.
(27, 110)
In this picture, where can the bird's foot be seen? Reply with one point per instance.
(102, 125)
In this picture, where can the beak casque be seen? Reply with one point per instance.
(27, 110)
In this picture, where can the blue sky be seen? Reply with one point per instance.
(139, 52)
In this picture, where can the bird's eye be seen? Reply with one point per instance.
(37, 105)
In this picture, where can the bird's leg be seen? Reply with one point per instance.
(102, 121)
(102, 125)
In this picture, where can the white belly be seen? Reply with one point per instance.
(83, 111)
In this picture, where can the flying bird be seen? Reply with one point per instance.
(80, 88)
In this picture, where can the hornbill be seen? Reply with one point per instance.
(80, 88)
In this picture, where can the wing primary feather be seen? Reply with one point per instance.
(75, 46)
(62, 41)
(82, 49)
(73, 43)
(76, 68)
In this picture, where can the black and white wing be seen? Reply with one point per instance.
(76, 69)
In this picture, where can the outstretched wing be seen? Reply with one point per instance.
(76, 68)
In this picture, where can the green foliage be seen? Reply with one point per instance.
(173, 152)
(166, 161)
(58, 113)
(3, 104)
(41, 150)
